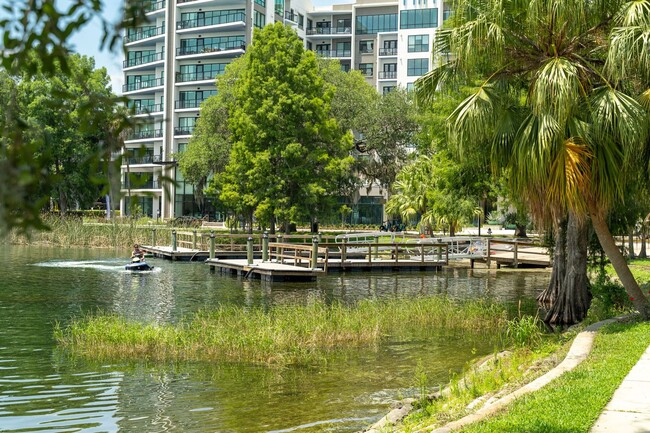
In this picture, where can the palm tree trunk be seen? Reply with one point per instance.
(620, 266)
(574, 297)
(630, 242)
(643, 254)
(547, 298)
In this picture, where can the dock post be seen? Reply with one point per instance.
(153, 237)
(320, 237)
(265, 247)
(249, 250)
(515, 259)
(344, 251)
(314, 252)
(174, 240)
(280, 249)
(211, 244)
(376, 247)
(194, 240)
(487, 252)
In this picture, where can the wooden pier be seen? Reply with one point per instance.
(305, 256)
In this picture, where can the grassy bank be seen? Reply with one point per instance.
(281, 335)
(570, 403)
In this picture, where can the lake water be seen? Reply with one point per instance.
(44, 389)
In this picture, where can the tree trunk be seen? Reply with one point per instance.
(547, 298)
(620, 266)
(520, 231)
(630, 242)
(574, 297)
(642, 253)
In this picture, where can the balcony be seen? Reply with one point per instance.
(145, 184)
(143, 60)
(148, 109)
(144, 34)
(235, 17)
(141, 160)
(383, 52)
(144, 134)
(183, 130)
(330, 31)
(335, 53)
(189, 103)
(142, 85)
(153, 6)
(387, 75)
(211, 48)
(196, 76)
(291, 17)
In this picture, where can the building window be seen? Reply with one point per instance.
(417, 67)
(206, 45)
(418, 44)
(366, 69)
(259, 19)
(261, 3)
(387, 89)
(210, 18)
(345, 67)
(200, 72)
(193, 99)
(419, 19)
(366, 47)
(301, 21)
(410, 86)
(373, 24)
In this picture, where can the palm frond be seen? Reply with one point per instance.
(629, 52)
(557, 89)
(634, 13)
(432, 82)
(644, 100)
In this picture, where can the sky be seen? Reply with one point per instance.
(88, 41)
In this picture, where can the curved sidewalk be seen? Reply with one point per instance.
(629, 409)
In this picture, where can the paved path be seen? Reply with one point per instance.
(629, 409)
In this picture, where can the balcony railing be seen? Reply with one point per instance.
(196, 76)
(189, 103)
(291, 17)
(387, 75)
(183, 130)
(144, 34)
(184, 1)
(330, 31)
(367, 50)
(388, 51)
(211, 21)
(210, 48)
(335, 53)
(145, 159)
(152, 6)
(148, 58)
(145, 134)
(148, 109)
(139, 85)
(150, 184)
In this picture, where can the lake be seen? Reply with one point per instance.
(45, 389)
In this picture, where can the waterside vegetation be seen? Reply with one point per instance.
(281, 335)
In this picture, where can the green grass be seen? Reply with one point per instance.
(573, 402)
(282, 335)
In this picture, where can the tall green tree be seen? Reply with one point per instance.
(36, 38)
(288, 153)
(68, 136)
(562, 104)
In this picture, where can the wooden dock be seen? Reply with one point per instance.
(305, 256)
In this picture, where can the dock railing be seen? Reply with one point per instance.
(516, 252)
(299, 255)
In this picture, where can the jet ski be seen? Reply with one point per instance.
(138, 264)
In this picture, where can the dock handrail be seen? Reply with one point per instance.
(300, 255)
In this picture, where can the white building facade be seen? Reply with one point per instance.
(171, 65)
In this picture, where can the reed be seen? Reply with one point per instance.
(282, 335)
(68, 232)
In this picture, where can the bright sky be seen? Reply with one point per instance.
(88, 41)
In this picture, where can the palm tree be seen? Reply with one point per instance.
(561, 102)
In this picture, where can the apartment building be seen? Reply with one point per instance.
(171, 64)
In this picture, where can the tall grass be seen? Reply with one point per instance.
(73, 232)
(282, 335)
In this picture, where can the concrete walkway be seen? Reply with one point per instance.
(629, 409)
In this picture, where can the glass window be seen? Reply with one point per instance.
(372, 24)
(261, 3)
(366, 69)
(204, 45)
(418, 19)
(210, 18)
(259, 19)
(417, 67)
(418, 44)
(199, 72)
(387, 89)
(366, 46)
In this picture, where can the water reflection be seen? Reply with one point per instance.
(43, 389)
